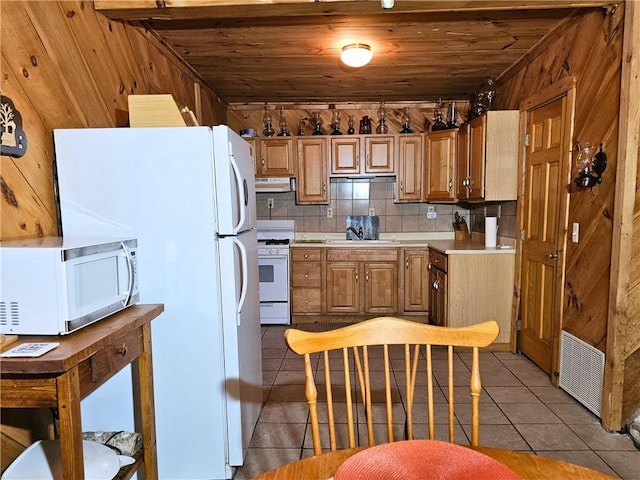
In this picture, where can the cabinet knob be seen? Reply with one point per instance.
(306, 275)
(306, 255)
(553, 256)
(436, 285)
(122, 350)
(429, 266)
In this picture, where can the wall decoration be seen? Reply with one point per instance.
(13, 139)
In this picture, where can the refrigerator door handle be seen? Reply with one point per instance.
(242, 190)
(245, 279)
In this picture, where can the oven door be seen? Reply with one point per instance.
(273, 274)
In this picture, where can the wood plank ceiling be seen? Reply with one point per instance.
(288, 50)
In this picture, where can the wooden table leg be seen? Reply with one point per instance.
(68, 391)
(144, 404)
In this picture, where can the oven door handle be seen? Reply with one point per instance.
(272, 257)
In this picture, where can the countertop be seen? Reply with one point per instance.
(439, 241)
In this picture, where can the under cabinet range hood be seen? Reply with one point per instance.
(273, 184)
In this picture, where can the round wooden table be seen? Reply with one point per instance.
(528, 466)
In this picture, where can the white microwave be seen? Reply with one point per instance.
(56, 285)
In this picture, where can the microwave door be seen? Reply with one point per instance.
(234, 182)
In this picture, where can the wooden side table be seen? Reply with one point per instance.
(82, 362)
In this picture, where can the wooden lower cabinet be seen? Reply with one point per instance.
(362, 281)
(416, 280)
(350, 284)
(306, 281)
(472, 288)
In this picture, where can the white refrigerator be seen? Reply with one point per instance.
(187, 194)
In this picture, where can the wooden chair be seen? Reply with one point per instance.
(356, 345)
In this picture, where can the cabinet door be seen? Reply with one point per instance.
(438, 297)
(343, 287)
(381, 287)
(477, 157)
(313, 172)
(462, 163)
(409, 179)
(345, 155)
(440, 150)
(378, 152)
(416, 281)
(276, 157)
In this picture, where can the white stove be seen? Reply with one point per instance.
(274, 237)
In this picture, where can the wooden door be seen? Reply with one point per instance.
(313, 171)
(416, 281)
(379, 153)
(440, 149)
(381, 287)
(343, 287)
(547, 172)
(409, 180)
(345, 155)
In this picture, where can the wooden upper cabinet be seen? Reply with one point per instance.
(462, 162)
(275, 157)
(362, 154)
(312, 185)
(440, 159)
(379, 153)
(345, 155)
(409, 173)
(489, 155)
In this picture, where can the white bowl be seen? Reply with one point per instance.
(41, 461)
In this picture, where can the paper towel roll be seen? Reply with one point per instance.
(490, 231)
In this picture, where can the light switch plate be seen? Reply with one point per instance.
(575, 233)
(329, 212)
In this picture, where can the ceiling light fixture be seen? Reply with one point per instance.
(356, 54)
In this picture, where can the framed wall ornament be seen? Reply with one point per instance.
(13, 139)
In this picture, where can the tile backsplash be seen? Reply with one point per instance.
(358, 196)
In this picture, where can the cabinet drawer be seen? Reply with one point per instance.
(306, 254)
(111, 359)
(357, 255)
(306, 275)
(306, 300)
(438, 259)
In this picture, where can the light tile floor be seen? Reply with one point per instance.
(519, 410)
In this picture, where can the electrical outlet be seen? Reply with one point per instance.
(372, 212)
(269, 202)
(575, 233)
(431, 208)
(329, 212)
(499, 213)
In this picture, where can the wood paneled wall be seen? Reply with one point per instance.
(66, 66)
(589, 49)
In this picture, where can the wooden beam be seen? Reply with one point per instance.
(212, 9)
(623, 336)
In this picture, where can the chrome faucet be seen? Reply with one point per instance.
(358, 233)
